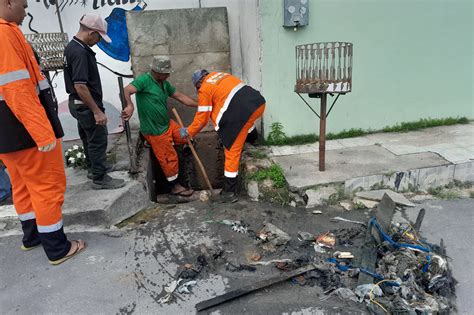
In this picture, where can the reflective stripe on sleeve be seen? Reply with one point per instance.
(204, 109)
(13, 76)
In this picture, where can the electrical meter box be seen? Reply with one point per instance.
(295, 13)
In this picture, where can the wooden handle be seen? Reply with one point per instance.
(201, 167)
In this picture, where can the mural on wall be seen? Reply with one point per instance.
(96, 4)
(117, 26)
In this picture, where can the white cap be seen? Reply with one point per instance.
(97, 23)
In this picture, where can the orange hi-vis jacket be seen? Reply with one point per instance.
(228, 102)
(25, 121)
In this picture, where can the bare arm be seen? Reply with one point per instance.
(85, 95)
(184, 99)
(127, 112)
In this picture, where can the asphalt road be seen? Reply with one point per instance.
(125, 271)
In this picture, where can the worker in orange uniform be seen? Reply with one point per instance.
(233, 108)
(29, 141)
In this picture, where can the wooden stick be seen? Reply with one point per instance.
(201, 167)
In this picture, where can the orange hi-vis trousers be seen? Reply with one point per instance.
(164, 151)
(232, 156)
(38, 185)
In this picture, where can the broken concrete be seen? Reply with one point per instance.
(319, 196)
(377, 195)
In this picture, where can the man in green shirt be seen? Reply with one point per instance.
(152, 91)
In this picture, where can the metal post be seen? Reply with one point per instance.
(59, 16)
(322, 133)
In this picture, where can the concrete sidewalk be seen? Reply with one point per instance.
(401, 161)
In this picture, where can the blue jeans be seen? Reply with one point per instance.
(5, 186)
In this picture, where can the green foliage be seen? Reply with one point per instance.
(471, 194)
(351, 133)
(359, 205)
(274, 172)
(259, 155)
(277, 136)
(442, 193)
(425, 123)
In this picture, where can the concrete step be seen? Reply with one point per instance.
(90, 208)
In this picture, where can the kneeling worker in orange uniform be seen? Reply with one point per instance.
(233, 107)
(29, 141)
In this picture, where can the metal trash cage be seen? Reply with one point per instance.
(50, 49)
(324, 68)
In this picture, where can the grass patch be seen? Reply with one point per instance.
(441, 193)
(471, 194)
(274, 172)
(259, 155)
(425, 123)
(278, 137)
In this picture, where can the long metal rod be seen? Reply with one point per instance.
(309, 106)
(59, 16)
(330, 109)
(322, 134)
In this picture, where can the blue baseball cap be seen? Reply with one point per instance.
(198, 75)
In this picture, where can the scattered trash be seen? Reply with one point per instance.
(327, 239)
(319, 249)
(270, 233)
(253, 256)
(204, 196)
(317, 212)
(346, 205)
(343, 255)
(169, 289)
(367, 291)
(237, 226)
(344, 294)
(338, 219)
(185, 288)
(305, 236)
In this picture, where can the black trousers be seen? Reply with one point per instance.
(94, 139)
(55, 244)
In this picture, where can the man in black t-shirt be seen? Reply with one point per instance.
(82, 80)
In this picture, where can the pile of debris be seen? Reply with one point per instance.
(411, 276)
(384, 264)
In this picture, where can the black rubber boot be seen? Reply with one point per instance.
(229, 192)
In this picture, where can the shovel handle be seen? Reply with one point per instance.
(201, 167)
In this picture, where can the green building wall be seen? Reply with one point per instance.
(412, 59)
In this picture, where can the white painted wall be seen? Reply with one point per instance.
(243, 29)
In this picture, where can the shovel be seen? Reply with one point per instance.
(198, 160)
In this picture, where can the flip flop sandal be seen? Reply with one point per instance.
(74, 253)
(25, 249)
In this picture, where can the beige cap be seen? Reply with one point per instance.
(97, 23)
(161, 64)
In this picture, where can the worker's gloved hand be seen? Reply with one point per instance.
(183, 132)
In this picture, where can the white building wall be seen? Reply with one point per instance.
(243, 26)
